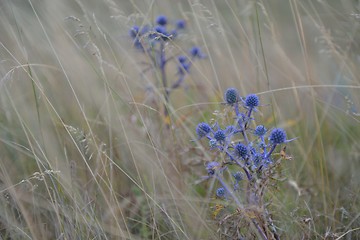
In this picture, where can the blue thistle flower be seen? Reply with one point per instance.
(277, 136)
(219, 135)
(162, 33)
(134, 31)
(230, 129)
(220, 192)
(161, 20)
(180, 24)
(160, 29)
(184, 65)
(231, 96)
(202, 129)
(182, 59)
(252, 101)
(238, 176)
(195, 52)
(212, 143)
(241, 150)
(260, 131)
(211, 167)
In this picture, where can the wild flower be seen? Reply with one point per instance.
(161, 20)
(211, 167)
(195, 52)
(180, 24)
(238, 176)
(202, 129)
(277, 136)
(260, 131)
(241, 150)
(252, 101)
(231, 96)
(153, 41)
(252, 153)
(219, 135)
(220, 192)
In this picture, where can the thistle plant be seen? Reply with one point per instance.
(152, 41)
(245, 164)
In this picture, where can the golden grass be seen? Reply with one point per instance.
(84, 150)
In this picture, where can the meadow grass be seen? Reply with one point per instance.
(85, 151)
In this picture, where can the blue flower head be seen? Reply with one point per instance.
(180, 24)
(134, 31)
(231, 96)
(160, 29)
(202, 129)
(184, 64)
(212, 143)
(277, 136)
(220, 192)
(260, 131)
(241, 150)
(252, 101)
(211, 167)
(219, 135)
(182, 59)
(195, 52)
(238, 176)
(161, 20)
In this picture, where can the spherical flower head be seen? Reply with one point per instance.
(241, 150)
(220, 135)
(160, 29)
(161, 20)
(134, 31)
(230, 129)
(182, 59)
(212, 143)
(277, 136)
(180, 24)
(211, 167)
(220, 192)
(260, 130)
(231, 96)
(202, 129)
(252, 101)
(161, 32)
(195, 52)
(184, 65)
(238, 176)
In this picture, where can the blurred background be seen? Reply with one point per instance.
(85, 153)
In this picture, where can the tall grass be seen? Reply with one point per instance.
(84, 151)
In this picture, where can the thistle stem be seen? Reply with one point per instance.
(270, 152)
(236, 108)
(164, 80)
(260, 231)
